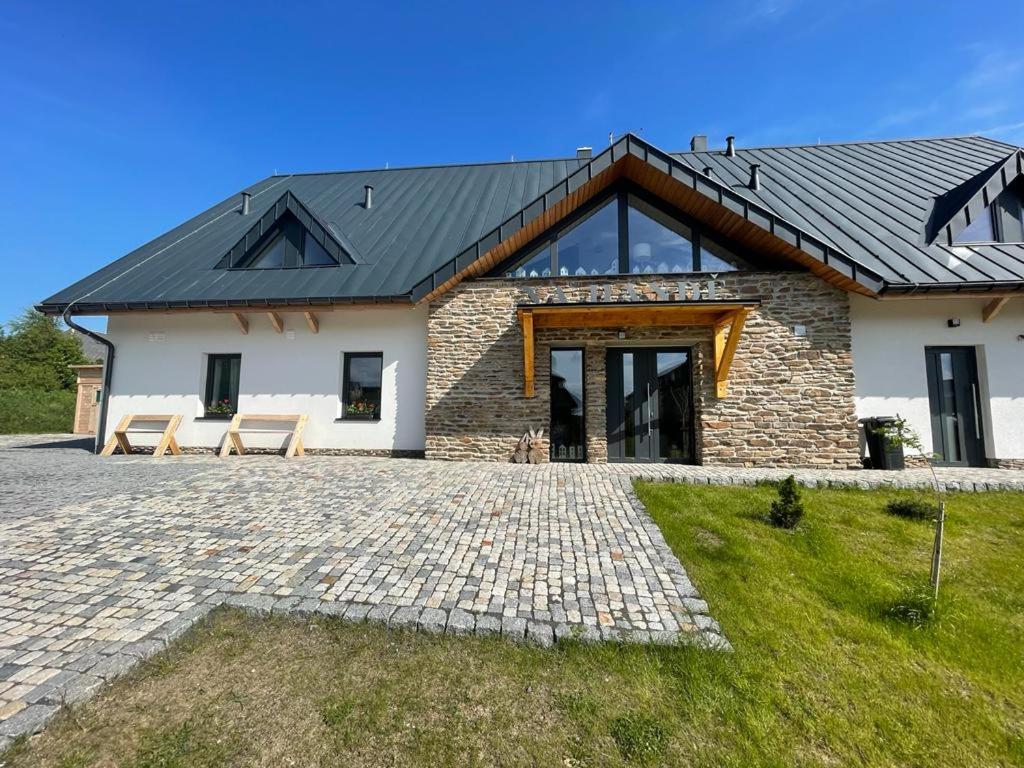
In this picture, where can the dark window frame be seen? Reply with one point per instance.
(621, 193)
(211, 360)
(347, 358)
(583, 405)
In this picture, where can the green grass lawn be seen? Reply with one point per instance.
(823, 672)
(36, 411)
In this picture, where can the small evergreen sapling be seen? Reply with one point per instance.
(787, 510)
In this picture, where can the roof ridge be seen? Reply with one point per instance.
(428, 167)
(853, 143)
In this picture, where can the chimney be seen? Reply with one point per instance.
(699, 143)
(730, 146)
(245, 203)
(368, 200)
(584, 153)
(755, 176)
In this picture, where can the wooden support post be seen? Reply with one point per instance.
(243, 322)
(276, 321)
(526, 319)
(312, 322)
(724, 361)
(993, 308)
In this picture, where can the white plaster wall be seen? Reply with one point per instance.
(160, 369)
(889, 339)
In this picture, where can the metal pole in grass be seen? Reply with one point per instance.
(899, 434)
(940, 524)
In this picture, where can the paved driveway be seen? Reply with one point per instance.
(102, 561)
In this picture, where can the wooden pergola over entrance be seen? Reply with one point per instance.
(725, 318)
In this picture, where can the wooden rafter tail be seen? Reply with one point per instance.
(993, 308)
(312, 321)
(276, 321)
(243, 322)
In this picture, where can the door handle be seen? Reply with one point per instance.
(974, 404)
(650, 411)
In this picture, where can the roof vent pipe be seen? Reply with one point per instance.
(584, 153)
(730, 146)
(707, 171)
(368, 200)
(245, 203)
(755, 176)
(699, 143)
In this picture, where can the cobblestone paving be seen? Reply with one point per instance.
(104, 561)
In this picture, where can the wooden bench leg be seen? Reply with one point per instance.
(295, 444)
(172, 444)
(167, 437)
(225, 448)
(122, 440)
(122, 425)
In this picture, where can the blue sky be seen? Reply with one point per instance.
(118, 121)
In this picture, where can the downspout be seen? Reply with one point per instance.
(108, 375)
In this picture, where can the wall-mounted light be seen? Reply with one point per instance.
(953, 322)
(622, 334)
(799, 330)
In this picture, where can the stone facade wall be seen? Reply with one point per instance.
(790, 400)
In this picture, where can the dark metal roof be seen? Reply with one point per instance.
(869, 203)
(873, 201)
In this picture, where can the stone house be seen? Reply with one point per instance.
(718, 306)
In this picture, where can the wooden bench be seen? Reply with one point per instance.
(166, 432)
(234, 437)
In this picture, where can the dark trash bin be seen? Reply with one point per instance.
(883, 454)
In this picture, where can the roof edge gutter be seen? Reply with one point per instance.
(223, 305)
(976, 290)
(108, 375)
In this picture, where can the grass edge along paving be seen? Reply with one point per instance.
(826, 669)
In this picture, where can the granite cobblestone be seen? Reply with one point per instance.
(105, 562)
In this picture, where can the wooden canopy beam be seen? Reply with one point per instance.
(721, 317)
(276, 321)
(312, 321)
(243, 322)
(993, 308)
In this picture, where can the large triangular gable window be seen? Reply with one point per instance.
(288, 235)
(626, 234)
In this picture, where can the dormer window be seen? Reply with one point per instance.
(1001, 222)
(982, 230)
(288, 245)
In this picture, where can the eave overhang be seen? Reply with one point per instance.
(220, 305)
(731, 214)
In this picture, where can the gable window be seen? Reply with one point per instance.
(627, 234)
(361, 385)
(222, 377)
(289, 244)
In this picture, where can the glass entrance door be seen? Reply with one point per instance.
(954, 397)
(650, 405)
